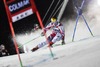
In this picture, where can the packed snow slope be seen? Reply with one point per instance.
(83, 52)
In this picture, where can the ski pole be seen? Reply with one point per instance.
(28, 42)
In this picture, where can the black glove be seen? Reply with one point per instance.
(42, 34)
(63, 42)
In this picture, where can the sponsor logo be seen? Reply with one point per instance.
(18, 5)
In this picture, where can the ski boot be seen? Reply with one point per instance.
(35, 48)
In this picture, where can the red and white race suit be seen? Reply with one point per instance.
(58, 33)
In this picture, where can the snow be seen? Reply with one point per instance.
(83, 52)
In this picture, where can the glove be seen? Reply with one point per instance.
(63, 42)
(42, 34)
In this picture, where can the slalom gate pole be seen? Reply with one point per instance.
(40, 21)
(37, 13)
(79, 13)
(87, 25)
(12, 32)
(28, 42)
(75, 27)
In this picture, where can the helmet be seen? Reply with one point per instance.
(53, 19)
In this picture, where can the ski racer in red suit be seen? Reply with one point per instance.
(58, 33)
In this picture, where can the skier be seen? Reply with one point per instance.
(58, 33)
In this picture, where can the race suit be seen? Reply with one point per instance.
(58, 33)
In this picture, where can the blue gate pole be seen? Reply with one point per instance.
(75, 27)
(87, 25)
